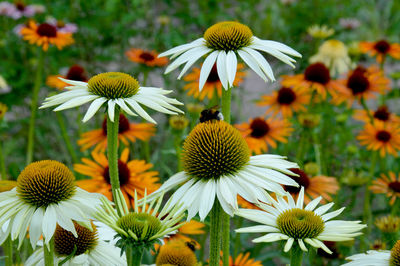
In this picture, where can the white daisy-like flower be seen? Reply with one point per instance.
(90, 248)
(223, 42)
(147, 224)
(217, 164)
(376, 258)
(44, 197)
(113, 89)
(288, 220)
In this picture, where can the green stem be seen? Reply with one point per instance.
(8, 251)
(318, 156)
(226, 112)
(367, 218)
(226, 104)
(134, 255)
(178, 148)
(146, 150)
(2, 164)
(112, 149)
(49, 253)
(65, 136)
(34, 107)
(296, 255)
(364, 105)
(238, 242)
(215, 234)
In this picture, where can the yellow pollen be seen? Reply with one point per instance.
(113, 85)
(176, 252)
(300, 224)
(228, 36)
(45, 182)
(214, 149)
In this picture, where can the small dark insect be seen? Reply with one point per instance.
(191, 245)
(211, 114)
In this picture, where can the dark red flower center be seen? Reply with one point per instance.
(286, 96)
(123, 172)
(146, 56)
(259, 128)
(382, 46)
(383, 135)
(20, 6)
(317, 72)
(332, 246)
(122, 127)
(382, 113)
(76, 72)
(213, 76)
(303, 180)
(395, 186)
(46, 30)
(358, 82)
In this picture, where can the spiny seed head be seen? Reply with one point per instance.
(214, 149)
(45, 182)
(300, 224)
(395, 254)
(65, 241)
(143, 225)
(113, 85)
(228, 36)
(176, 252)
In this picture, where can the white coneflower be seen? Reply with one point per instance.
(376, 258)
(139, 229)
(89, 248)
(217, 164)
(320, 31)
(113, 88)
(291, 221)
(223, 42)
(44, 197)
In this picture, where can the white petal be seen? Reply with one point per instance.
(35, 228)
(231, 67)
(251, 63)
(93, 108)
(221, 69)
(111, 109)
(262, 63)
(193, 59)
(122, 104)
(49, 223)
(76, 102)
(206, 68)
(182, 48)
(207, 199)
(279, 46)
(288, 245)
(186, 56)
(138, 109)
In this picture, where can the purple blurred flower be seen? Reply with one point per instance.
(19, 9)
(349, 23)
(62, 26)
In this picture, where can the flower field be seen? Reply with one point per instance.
(189, 133)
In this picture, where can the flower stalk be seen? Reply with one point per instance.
(49, 253)
(8, 251)
(112, 152)
(296, 255)
(215, 234)
(65, 136)
(34, 107)
(134, 255)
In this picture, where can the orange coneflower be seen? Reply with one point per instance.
(148, 58)
(314, 187)
(380, 49)
(212, 85)
(381, 136)
(316, 77)
(361, 83)
(286, 101)
(75, 72)
(387, 184)
(126, 132)
(45, 34)
(243, 260)
(382, 114)
(133, 176)
(260, 133)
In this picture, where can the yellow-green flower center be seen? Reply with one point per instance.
(65, 241)
(228, 36)
(300, 224)
(113, 85)
(395, 254)
(143, 225)
(214, 149)
(45, 182)
(176, 252)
